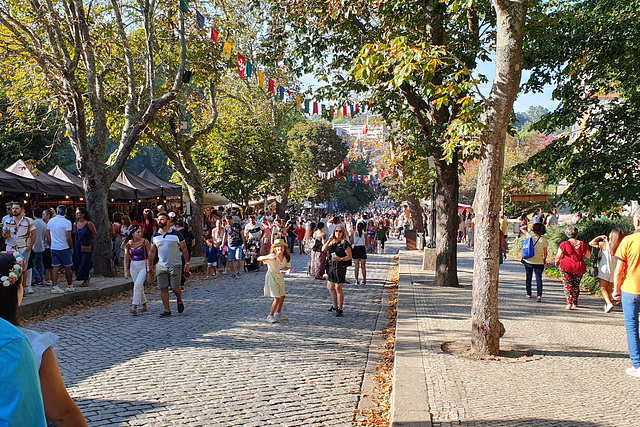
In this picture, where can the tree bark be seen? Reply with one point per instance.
(283, 200)
(446, 222)
(96, 196)
(195, 188)
(486, 327)
(416, 212)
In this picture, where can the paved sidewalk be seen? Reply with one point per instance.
(220, 362)
(575, 377)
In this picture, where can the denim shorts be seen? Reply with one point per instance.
(235, 253)
(62, 257)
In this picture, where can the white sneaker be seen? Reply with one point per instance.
(48, 283)
(271, 319)
(29, 290)
(224, 272)
(70, 289)
(281, 316)
(608, 307)
(57, 290)
(634, 372)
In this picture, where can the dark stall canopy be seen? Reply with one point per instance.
(45, 183)
(168, 188)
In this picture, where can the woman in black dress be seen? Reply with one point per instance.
(339, 255)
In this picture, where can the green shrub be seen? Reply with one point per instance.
(552, 272)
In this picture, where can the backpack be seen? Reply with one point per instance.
(528, 247)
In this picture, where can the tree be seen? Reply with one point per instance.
(486, 328)
(99, 64)
(587, 50)
(353, 196)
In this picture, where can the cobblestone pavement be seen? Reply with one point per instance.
(574, 378)
(220, 363)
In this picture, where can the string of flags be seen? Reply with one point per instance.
(370, 179)
(246, 69)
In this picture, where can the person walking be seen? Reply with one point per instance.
(38, 247)
(359, 242)
(626, 282)
(136, 263)
(234, 240)
(570, 261)
(170, 246)
(20, 234)
(149, 224)
(381, 235)
(278, 261)
(59, 238)
(608, 263)
(84, 233)
(339, 250)
(318, 256)
(536, 263)
(117, 237)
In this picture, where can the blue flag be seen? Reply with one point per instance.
(199, 20)
(281, 90)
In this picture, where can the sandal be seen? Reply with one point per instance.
(84, 284)
(133, 311)
(143, 309)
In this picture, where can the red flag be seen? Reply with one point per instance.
(214, 35)
(344, 111)
(365, 128)
(331, 111)
(315, 108)
(357, 107)
(241, 65)
(390, 172)
(272, 86)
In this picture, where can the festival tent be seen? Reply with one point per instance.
(143, 188)
(116, 191)
(168, 188)
(10, 182)
(45, 183)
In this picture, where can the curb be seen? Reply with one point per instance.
(101, 287)
(409, 403)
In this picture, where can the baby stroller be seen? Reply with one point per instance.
(252, 252)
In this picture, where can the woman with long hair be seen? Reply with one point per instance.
(84, 233)
(149, 224)
(318, 256)
(608, 262)
(59, 409)
(339, 250)
(360, 241)
(136, 261)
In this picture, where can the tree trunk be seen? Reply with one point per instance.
(486, 327)
(416, 212)
(283, 200)
(446, 222)
(96, 196)
(193, 182)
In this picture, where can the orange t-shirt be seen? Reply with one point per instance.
(629, 252)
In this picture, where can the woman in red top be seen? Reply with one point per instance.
(149, 224)
(570, 261)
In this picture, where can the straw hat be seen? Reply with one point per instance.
(279, 242)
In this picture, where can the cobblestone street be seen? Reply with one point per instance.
(220, 363)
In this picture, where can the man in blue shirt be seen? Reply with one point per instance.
(21, 398)
(171, 247)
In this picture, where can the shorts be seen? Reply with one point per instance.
(235, 253)
(62, 257)
(168, 276)
(359, 252)
(212, 264)
(46, 259)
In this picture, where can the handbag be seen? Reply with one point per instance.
(528, 247)
(593, 271)
(85, 249)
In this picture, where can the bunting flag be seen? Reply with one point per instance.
(281, 93)
(351, 110)
(357, 106)
(306, 106)
(260, 75)
(214, 35)
(344, 111)
(365, 128)
(298, 100)
(322, 107)
(184, 6)
(272, 86)
(226, 50)
(331, 113)
(315, 108)
(241, 65)
(339, 113)
(248, 69)
(200, 20)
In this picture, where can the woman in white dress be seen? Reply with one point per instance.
(608, 262)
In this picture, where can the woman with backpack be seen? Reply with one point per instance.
(535, 264)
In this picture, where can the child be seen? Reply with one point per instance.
(300, 232)
(213, 254)
(381, 235)
(278, 261)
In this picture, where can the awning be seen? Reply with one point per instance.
(45, 183)
(10, 182)
(144, 189)
(116, 191)
(210, 199)
(168, 188)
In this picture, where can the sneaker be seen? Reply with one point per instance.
(281, 316)
(237, 275)
(47, 283)
(224, 272)
(634, 372)
(608, 307)
(357, 282)
(57, 290)
(574, 306)
(70, 289)
(271, 319)
(40, 284)
(333, 309)
(339, 313)
(568, 307)
(29, 290)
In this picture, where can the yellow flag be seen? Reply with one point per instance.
(339, 112)
(260, 78)
(298, 102)
(226, 50)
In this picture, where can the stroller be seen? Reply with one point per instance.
(252, 252)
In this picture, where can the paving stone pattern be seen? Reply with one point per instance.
(576, 375)
(220, 363)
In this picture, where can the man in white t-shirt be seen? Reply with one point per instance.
(20, 235)
(59, 238)
(253, 229)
